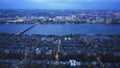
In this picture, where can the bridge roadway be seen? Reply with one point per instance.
(23, 31)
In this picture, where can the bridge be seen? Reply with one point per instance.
(23, 31)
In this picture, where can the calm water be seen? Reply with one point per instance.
(62, 29)
(13, 28)
(75, 29)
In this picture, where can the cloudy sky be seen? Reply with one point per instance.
(60, 4)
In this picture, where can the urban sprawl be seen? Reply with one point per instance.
(51, 51)
(59, 51)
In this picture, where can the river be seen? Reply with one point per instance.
(62, 29)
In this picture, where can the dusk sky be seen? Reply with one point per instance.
(60, 4)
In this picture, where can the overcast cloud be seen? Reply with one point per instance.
(60, 4)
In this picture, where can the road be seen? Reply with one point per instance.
(30, 52)
(94, 51)
(57, 52)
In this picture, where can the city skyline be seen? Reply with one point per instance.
(61, 4)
